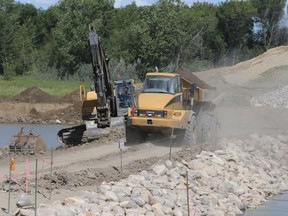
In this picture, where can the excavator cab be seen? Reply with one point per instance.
(125, 91)
(125, 95)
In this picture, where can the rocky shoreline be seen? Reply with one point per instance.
(242, 175)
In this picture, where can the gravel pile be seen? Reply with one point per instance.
(276, 99)
(225, 182)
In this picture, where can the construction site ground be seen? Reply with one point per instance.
(86, 166)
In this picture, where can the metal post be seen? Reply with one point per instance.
(51, 164)
(121, 161)
(27, 175)
(171, 143)
(202, 138)
(9, 192)
(121, 147)
(187, 187)
(36, 185)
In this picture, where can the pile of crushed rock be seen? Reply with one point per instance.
(243, 174)
(276, 99)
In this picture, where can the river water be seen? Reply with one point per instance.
(278, 206)
(48, 132)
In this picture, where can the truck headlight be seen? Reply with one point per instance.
(165, 114)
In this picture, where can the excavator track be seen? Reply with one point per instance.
(72, 136)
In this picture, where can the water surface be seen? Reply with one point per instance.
(277, 206)
(48, 132)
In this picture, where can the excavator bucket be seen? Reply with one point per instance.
(88, 132)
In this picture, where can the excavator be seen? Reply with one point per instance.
(105, 101)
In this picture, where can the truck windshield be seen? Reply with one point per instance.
(159, 84)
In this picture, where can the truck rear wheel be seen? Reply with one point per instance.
(207, 130)
(190, 137)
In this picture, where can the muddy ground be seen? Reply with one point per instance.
(86, 166)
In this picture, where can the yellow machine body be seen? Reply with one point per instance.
(164, 104)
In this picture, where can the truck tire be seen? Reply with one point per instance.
(134, 136)
(190, 137)
(207, 130)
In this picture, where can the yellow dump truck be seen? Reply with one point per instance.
(168, 101)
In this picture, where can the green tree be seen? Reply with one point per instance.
(236, 24)
(154, 40)
(45, 22)
(23, 49)
(8, 25)
(122, 20)
(17, 35)
(69, 46)
(9, 70)
(269, 15)
(201, 40)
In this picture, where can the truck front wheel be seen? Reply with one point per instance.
(134, 135)
(190, 136)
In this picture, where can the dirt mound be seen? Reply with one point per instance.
(73, 97)
(244, 72)
(251, 69)
(194, 79)
(34, 95)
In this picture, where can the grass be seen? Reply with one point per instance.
(54, 87)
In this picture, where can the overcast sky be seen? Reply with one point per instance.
(118, 3)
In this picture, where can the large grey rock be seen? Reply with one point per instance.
(121, 191)
(111, 196)
(167, 210)
(173, 174)
(160, 170)
(104, 187)
(118, 210)
(23, 200)
(27, 212)
(170, 200)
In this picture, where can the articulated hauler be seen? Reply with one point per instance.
(168, 101)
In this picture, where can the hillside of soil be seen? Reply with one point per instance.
(246, 71)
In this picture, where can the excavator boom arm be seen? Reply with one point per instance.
(105, 105)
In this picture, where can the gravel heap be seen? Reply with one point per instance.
(242, 175)
(276, 99)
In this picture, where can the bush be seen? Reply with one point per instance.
(9, 71)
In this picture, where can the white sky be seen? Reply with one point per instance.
(118, 3)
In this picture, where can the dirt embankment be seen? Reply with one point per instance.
(36, 106)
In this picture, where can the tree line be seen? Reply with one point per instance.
(52, 43)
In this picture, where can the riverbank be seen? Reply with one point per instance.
(277, 206)
(242, 174)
